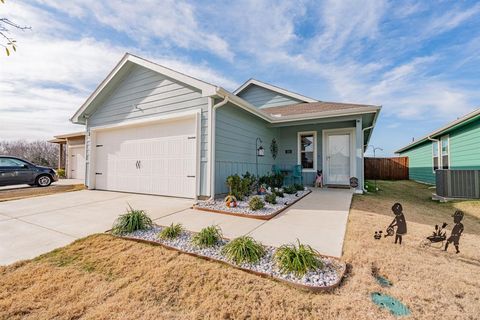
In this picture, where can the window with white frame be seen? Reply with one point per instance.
(445, 152)
(307, 150)
(436, 159)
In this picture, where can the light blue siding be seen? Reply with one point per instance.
(288, 140)
(142, 94)
(264, 98)
(236, 132)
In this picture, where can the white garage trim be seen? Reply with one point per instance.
(94, 131)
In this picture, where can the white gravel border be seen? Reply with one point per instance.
(328, 276)
(242, 206)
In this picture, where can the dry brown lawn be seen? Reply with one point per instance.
(102, 277)
(28, 192)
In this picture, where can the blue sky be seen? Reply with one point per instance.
(419, 60)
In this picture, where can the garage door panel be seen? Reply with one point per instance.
(153, 159)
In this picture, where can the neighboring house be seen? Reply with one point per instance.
(454, 146)
(153, 130)
(71, 154)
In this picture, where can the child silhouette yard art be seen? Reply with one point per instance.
(456, 231)
(398, 222)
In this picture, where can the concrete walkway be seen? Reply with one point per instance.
(37, 225)
(319, 219)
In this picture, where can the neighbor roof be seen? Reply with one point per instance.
(443, 130)
(271, 87)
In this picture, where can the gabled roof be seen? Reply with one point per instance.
(443, 130)
(318, 108)
(272, 88)
(206, 88)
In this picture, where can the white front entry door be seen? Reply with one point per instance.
(76, 162)
(338, 157)
(156, 158)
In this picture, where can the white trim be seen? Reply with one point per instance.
(438, 155)
(196, 113)
(198, 133)
(325, 134)
(146, 121)
(448, 150)
(273, 88)
(315, 152)
(206, 88)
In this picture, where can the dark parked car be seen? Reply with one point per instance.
(18, 171)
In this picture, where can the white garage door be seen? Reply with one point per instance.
(153, 159)
(77, 162)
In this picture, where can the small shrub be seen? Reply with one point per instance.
(297, 259)
(279, 193)
(240, 187)
(131, 221)
(299, 187)
(271, 198)
(171, 232)
(256, 203)
(243, 249)
(207, 237)
(290, 189)
(61, 173)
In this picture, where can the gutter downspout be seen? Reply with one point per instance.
(439, 150)
(212, 146)
(363, 157)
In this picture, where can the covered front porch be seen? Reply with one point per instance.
(333, 146)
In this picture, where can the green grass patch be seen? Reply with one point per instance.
(243, 250)
(171, 232)
(207, 237)
(297, 259)
(131, 221)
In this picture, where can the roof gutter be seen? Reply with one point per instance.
(211, 126)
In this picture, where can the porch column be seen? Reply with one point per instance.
(61, 156)
(359, 154)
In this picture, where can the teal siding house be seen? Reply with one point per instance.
(455, 146)
(154, 130)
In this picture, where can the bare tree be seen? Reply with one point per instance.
(39, 152)
(8, 42)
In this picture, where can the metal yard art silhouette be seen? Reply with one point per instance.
(456, 231)
(399, 222)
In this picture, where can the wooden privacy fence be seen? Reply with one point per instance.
(386, 168)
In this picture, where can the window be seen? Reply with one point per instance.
(436, 162)
(9, 162)
(307, 150)
(445, 152)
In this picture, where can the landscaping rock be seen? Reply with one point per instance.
(325, 277)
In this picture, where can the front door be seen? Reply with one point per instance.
(338, 158)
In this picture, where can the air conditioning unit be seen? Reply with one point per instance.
(458, 183)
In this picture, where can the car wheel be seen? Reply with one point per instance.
(44, 181)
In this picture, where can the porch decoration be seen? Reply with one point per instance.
(230, 201)
(274, 148)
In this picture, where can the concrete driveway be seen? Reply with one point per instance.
(37, 225)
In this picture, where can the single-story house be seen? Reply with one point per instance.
(153, 130)
(71, 156)
(455, 146)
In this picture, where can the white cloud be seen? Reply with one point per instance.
(49, 77)
(450, 20)
(150, 22)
